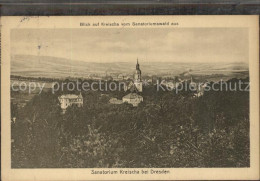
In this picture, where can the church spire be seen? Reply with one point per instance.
(137, 65)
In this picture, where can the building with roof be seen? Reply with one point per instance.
(199, 88)
(138, 78)
(133, 98)
(115, 101)
(67, 100)
(136, 83)
(128, 85)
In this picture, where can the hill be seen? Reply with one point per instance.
(53, 67)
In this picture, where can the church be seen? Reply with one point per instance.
(136, 84)
(138, 78)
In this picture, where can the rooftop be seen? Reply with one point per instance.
(132, 96)
(70, 96)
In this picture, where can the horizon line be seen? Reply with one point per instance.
(134, 60)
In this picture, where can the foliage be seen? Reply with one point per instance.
(166, 130)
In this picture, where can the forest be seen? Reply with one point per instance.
(166, 130)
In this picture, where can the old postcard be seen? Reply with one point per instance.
(130, 97)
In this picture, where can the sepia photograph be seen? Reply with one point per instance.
(131, 94)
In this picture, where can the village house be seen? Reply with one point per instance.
(133, 98)
(199, 88)
(115, 101)
(70, 99)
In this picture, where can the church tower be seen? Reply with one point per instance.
(138, 78)
(138, 73)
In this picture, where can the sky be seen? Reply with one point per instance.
(128, 44)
